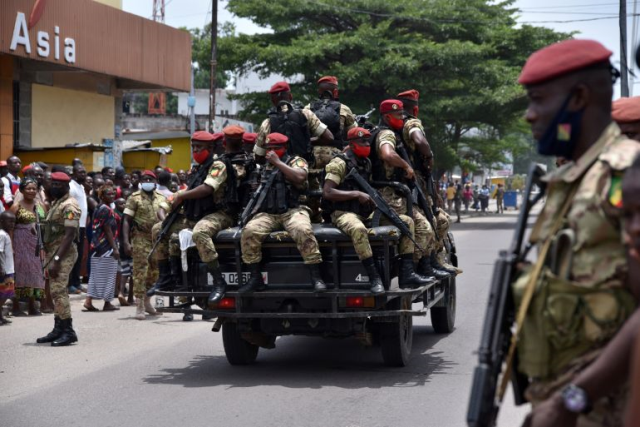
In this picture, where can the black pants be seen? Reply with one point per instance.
(74, 277)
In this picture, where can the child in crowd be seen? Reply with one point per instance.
(7, 223)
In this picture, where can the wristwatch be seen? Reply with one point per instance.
(56, 258)
(576, 399)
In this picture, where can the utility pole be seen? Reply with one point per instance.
(624, 70)
(158, 10)
(214, 62)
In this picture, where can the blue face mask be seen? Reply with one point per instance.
(561, 137)
(148, 186)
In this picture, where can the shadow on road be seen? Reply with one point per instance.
(304, 362)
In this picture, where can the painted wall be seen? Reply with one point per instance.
(6, 106)
(63, 116)
(113, 3)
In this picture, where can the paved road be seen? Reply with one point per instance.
(170, 373)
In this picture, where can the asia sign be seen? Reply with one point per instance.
(43, 48)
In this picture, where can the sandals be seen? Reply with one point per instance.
(18, 314)
(35, 313)
(90, 308)
(110, 308)
(5, 321)
(123, 301)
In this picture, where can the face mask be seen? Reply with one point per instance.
(201, 156)
(395, 123)
(280, 152)
(361, 150)
(57, 193)
(148, 186)
(561, 137)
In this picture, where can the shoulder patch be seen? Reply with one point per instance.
(69, 215)
(216, 170)
(615, 191)
(301, 163)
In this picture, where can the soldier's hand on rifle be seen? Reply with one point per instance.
(272, 158)
(127, 249)
(175, 202)
(408, 170)
(549, 413)
(364, 198)
(54, 269)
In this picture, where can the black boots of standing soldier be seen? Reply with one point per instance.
(407, 276)
(219, 284)
(426, 267)
(255, 282)
(316, 278)
(436, 264)
(61, 335)
(166, 281)
(374, 278)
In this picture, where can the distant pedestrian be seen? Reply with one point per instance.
(500, 199)
(457, 199)
(7, 222)
(467, 197)
(483, 196)
(451, 193)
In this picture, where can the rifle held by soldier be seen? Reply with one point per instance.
(39, 241)
(485, 401)
(256, 201)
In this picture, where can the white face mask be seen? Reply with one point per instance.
(148, 186)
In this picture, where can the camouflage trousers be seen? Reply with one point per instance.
(204, 232)
(145, 273)
(353, 226)
(295, 221)
(165, 249)
(58, 286)
(424, 234)
(323, 155)
(443, 222)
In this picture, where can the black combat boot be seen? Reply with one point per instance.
(255, 282)
(437, 266)
(165, 278)
(219, 284)
(374, 278)
(407, 277)
(316, 278)
(175, 265)
(54, 334)
(68, 334)
(426, 269)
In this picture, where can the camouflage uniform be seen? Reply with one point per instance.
(353, 224)
(143, 209)
(295, 221)
(316, 128)
(65, 212)
(209, 226)
(579, 307)
(424, 235)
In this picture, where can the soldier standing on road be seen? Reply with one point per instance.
(582, 290)
(350, 205)
(415, 139)
(221, 184)
(281, 209)
(626, 113)
(61, 229)
(144, 209)
(191, 211)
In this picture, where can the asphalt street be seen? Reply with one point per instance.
(165, 372)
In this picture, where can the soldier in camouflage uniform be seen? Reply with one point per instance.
(580, 287)
(144, 209)
(223, 184)
(189, 213)
(388, 165)
(339, 120)
(281, 209)
(61, 229)
(419, 150)
(351, 207)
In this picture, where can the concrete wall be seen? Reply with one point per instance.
(224, 106)
(6, 106)
(63, 116)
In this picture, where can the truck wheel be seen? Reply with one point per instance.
(237, 350)
(443, 319)
(396, 340)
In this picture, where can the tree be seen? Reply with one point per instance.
(463, 56)
(201, 55)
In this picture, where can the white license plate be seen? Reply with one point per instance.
(232, 278)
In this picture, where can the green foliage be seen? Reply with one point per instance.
(201, 55)
(463, 56)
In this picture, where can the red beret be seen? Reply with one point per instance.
(149, 173)
(626, 110)
(391, 106)
(218, 136)
(60, 176)
(276, 139)
(202, 136)
(233, 132)
(329, 79)
(358, 133)
(409, 94)
(249, 138)
(562, 58)
(280, 87)
(26, 168)
(3, 163)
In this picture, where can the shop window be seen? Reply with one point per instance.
(16, 114)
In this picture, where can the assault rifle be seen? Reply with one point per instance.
(361, 119)
(199, 176)
(382, 205)
(484, 403)
(255, 204)
(416, 189)
(39, 240)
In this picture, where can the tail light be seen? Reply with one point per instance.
(359, 302)
(224, 304)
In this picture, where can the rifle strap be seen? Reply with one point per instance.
(530, 288)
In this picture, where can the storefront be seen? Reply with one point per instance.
(64, 65)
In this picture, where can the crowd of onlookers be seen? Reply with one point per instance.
(476, 197)
(25, 201)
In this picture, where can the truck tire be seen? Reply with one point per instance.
(443, 319)
(396, 339)
(237, 350)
